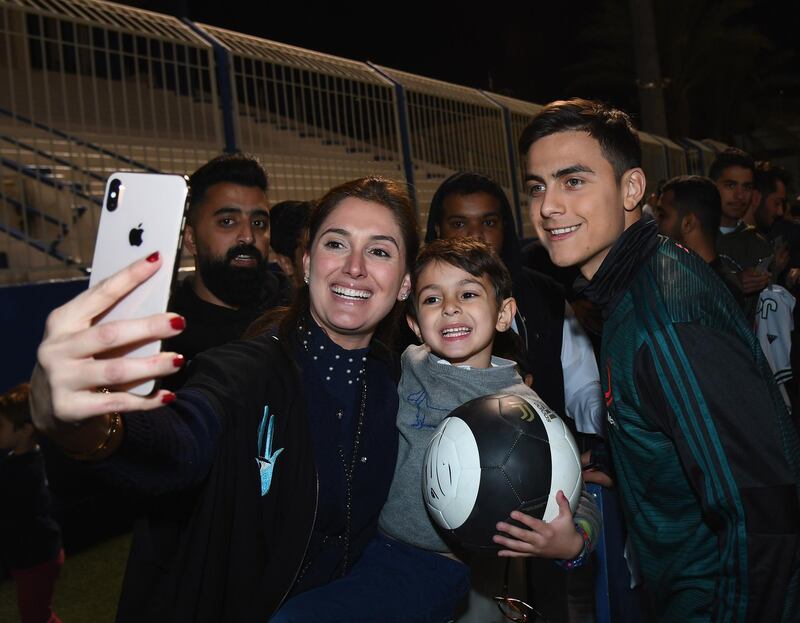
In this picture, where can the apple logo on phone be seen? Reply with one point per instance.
(135, 236)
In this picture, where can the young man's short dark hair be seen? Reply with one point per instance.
(14, 405)
(612, 128)
(731, 157)
(469, 254)
(694, 194)
(240, 169)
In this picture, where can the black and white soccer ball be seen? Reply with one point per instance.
(494, 455)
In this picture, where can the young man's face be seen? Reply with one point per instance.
(458, 314)
(772, 207)
(478, 215)
(232, 217)
(669, 222)
(357, 271)
(577, 206)
(229, 238)
(735, 185)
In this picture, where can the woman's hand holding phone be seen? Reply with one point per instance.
(71, 376)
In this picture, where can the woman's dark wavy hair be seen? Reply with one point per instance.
(611, 127)
(385, 192)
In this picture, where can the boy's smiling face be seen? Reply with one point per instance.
(458, 313)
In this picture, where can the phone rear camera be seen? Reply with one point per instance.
(113, 195)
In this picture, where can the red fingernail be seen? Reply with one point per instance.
(178, 361)
(178, 323)
(167, 398)
(152, 257)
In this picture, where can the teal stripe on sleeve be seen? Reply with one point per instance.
(686, 400)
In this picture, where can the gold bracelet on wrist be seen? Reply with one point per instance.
(106, 446)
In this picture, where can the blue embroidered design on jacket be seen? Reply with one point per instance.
(266, 457)
(418, 399)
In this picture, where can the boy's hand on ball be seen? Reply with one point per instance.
(558, 539)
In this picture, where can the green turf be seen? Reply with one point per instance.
(89, 586)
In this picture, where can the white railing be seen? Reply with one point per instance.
(88, 87)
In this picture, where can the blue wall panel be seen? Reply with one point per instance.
(23, 312)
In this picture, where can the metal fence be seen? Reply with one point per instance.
(314, 119)
(88, 87)
(675, 155)
(451, 128)
(518, 115)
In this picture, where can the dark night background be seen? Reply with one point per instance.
(733, 67)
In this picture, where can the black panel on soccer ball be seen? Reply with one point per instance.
(529, 469)
(515, 465)
(495, 493)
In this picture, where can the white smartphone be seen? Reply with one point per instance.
(142, 213)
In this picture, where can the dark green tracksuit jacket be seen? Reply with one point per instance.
(705, 453)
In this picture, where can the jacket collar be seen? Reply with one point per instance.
(624, 259)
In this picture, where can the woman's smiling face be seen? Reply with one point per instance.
(357, 271)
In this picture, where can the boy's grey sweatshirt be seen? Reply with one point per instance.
(429, 391)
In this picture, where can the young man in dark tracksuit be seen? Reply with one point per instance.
(705, 453)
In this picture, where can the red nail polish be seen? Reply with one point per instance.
(178, 323)
(152, 257)
(168, 398)
(178, 361)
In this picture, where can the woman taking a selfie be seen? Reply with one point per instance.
(273, 462)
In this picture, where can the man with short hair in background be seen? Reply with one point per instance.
(688, 211)
(771, 183)
(227, 232)
(771, 218)
(733, 171)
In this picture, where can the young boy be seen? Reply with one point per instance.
(461, 299)
(30, 539)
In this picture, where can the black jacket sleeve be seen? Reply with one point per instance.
(173, 448)
(168, 449)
